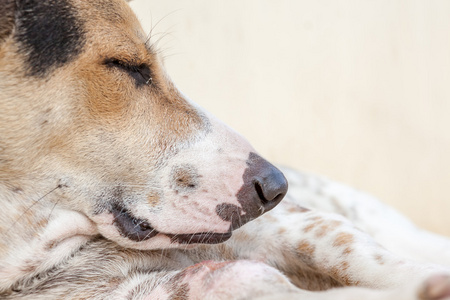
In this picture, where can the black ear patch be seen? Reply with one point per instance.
(49, 32)
(7, 11)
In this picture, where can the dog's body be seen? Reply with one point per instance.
(113, 185)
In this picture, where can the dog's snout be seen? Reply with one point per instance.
(270, 186)
(263, 188)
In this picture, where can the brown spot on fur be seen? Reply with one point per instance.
(50, 245)
(339, 274)
(309, 228)
(324, 229)
(306, 247)
(298, 209)
(379, 258)
(343, 239)
(317, 221)
(344, 266)
(305, 252)
(347, 251)
(184, 178)
(315, 218)
(335, 223)
(153, 198)
(312, 280)
(41, 223)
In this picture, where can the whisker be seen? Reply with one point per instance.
(155, 44)
(32, 205)
(150, 34)
(51, 211)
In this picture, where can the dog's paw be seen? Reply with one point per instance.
(436, 287)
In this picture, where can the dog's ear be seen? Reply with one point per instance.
(7, 18)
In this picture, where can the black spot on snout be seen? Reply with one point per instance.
(230, 213)
(49, 33)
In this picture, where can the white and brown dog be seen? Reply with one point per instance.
(114, 185)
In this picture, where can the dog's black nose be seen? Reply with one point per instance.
(270, 185)
(263, 188)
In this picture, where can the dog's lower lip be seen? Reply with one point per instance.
(140, 230)
(200, 238)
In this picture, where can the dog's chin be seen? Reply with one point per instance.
(140, 232)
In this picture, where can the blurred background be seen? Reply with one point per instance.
(356, 90)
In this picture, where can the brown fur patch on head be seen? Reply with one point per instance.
(105, 100)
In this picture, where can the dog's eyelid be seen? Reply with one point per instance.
(142, 69)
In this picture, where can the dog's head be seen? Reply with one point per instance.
(88, 114)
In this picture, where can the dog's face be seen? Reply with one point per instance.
(90, 117)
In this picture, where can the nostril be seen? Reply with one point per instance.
(267, 193)
(259, 191)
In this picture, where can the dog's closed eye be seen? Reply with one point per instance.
(140, 73)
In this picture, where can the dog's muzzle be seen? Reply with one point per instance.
(264, 186)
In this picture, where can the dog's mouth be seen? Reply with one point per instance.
(200, 238)
(139, 230)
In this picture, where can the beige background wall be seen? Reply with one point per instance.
(358, 91)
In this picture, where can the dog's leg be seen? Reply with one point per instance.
(387, 226)
(321, 250)
(255, 280)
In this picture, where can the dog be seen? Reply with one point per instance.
(115, 185)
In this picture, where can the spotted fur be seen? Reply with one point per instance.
(115, 185)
